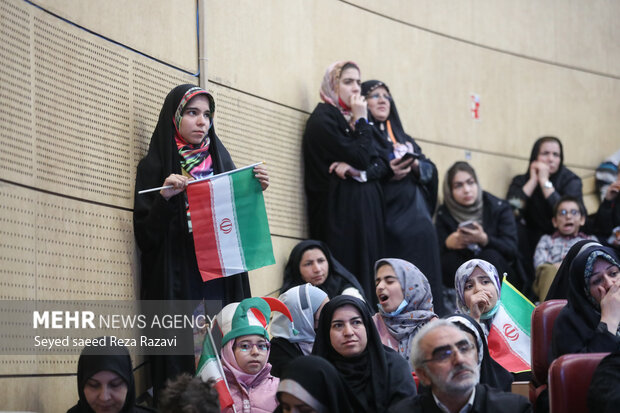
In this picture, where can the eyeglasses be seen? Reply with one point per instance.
(245, 346)
(445, 353)
(379, 95)
(573, 212)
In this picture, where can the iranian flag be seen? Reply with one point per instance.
(509, 338)
(229, 224)
(209, 367)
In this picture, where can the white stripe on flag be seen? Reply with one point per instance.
(225, 227)
(210, 370)
(517, 339)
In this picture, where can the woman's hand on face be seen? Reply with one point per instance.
(260, 173)
(178, 183)
(343, 170)
(479, 301)
(610, 307)
(613, 190)
(400, 168)
(543, 173)
(358, 107)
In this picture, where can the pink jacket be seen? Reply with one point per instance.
(386, 338)
(251, 393)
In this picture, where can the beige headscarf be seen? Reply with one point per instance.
(329, 87)
(459, 212)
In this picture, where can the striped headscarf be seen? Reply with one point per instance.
(195, 159)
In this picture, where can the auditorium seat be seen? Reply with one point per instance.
(543, 317)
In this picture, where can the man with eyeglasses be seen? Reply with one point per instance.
(446, 361)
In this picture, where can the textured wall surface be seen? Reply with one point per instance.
(82, 83)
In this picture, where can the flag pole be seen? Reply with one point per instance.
(217, 357)
(195, 181)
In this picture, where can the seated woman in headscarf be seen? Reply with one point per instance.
(105, 381)
(345, 201)
(478, 291)
(405, 303)
(377, 375)
(312, 385)
(292, 340)
(409, 188)
(559, 287)
(472, 223)
(491, 372)
(534, 194)
(312, 262)
(590, 321)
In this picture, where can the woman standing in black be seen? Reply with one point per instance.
(344, 196)
(184, 146)
(409, 189)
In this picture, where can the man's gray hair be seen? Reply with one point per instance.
(417, 355)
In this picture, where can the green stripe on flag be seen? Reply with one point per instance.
(518, 307)
(252, 222)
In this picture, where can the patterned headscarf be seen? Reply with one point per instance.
(195, 159)
(587, 274)
(462, 275)
(419, 308)
(303, 301)
(329, 87)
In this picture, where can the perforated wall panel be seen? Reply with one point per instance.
(256, 130)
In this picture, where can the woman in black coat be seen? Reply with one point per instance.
(590, 322)
(183, 146)
(534, 194)
(344, 195)
(409, 189)
(472, 223)
(377, 375)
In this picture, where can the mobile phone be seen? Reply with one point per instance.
(409, 155)
(467, 224)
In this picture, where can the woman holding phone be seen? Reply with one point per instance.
(409, 189)
(472, 223)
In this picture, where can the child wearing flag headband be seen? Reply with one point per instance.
(245, 350)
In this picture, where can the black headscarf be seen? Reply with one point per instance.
(430, 188)
(491, 372)
(319, 380)
(576, 328)
(368, 375)
(116, 359)
(559, 286)
(338, 279)
(539, 210)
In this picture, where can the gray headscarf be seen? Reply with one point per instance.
(419, 308)
(459, 212)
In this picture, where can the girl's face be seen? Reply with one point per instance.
(195, 121)
(479, 281)
(105, 392)
(379, 103)
(314, 267)
(291, 404)
(550, 153)
(388, 288)
(349, 84)
(347, 332)
(317, 314)
(251, 353)
(604, 275)
(464, 188)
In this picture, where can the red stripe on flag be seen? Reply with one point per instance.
(203, 230)
(226, 399)
(500, 351)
